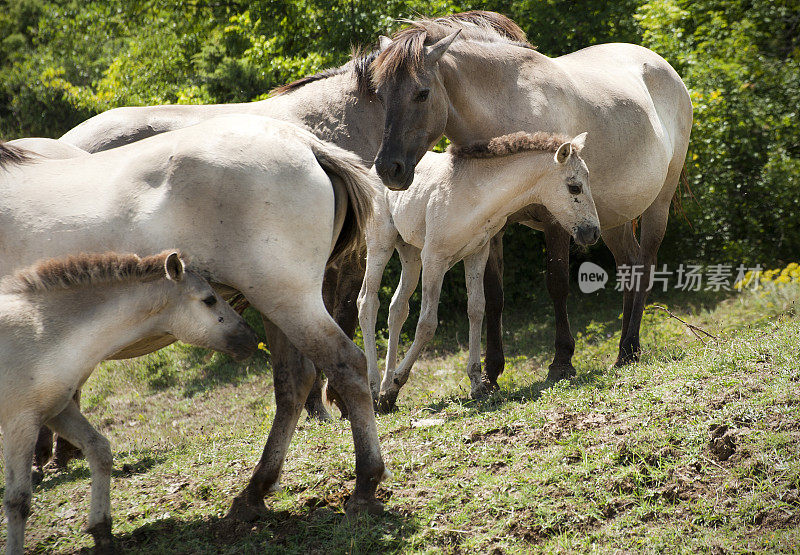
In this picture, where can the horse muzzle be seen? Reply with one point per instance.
(586, 235)
(241, 343)
(395, 174)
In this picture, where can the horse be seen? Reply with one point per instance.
(339, 105)
(458, 201)
(474, 78)
(91, 306)
(260, 206)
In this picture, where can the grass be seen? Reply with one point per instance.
(695, 449)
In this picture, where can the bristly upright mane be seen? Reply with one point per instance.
(406, 49)
(10, 154)
(359, 64)
(86, 270)
(512, 143)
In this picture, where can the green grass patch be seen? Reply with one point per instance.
(695, 449)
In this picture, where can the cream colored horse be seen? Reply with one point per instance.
(258, 205)
(89, 306)
(466, 79)
(458, 201)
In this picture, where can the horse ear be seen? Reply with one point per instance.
(563, 153)
(173, 266)
(578, 142)
(384, 42)
(435, 51)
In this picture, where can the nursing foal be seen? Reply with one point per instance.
(89, 307)
(458, 201)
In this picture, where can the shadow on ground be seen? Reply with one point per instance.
(524, 394)
(322, 530)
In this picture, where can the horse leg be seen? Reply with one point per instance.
(557, 243)
(398, 309)
(43, 451)
(350, 275)
(379, 251)
(71, 424)
(474, 267)
(625, 248)
(337, 307)
(315, 334)
(653, 225)
(66, 451)
(19, 443)
(493, 291)
(293, 378)
(432, 275)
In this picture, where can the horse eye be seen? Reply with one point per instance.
(422, 95)
(574, 189)
(211, 300)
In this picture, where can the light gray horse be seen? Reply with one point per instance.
(340, 105)
(259, 205)
(465, 78)
(90, 306)
(458, 202)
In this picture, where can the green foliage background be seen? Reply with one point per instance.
(62, 61)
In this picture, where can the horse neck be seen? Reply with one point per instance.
(334, 110)
(100, 321)
(488, 90)
(504, 184)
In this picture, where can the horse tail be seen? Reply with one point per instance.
(682, 190)
(360, 185)
(11, 154)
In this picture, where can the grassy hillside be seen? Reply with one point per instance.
(693, 450)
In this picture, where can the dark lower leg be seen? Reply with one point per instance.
(293, 379)
(339, 292)
(493, 291)
(349, 377)
(557, 241)
(44, 447)
(66, 451)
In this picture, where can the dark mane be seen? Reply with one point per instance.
(85, 270)
(359, 65)
(406, 49)
(507, 145)
(10, 154)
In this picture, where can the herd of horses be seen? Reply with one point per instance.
(271, 203)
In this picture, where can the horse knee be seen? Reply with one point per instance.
(366, 299)
(398, 312)
(426, 328)
(99, 449)
(18, 504)
(475, 310)
(350, 370)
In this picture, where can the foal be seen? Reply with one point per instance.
(458, 201)
(90, 307)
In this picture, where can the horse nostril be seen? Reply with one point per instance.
(397, 169)
(588, 235)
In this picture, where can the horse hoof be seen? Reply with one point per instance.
(624, 359)
(103, 539)
(386, 403)
(493, 368)
(355, 507)
(490, 384)
(479, 392)
(37, 476)
(319, 414)
(244, 510)
(558, 372)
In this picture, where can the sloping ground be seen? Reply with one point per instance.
(696, 449)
